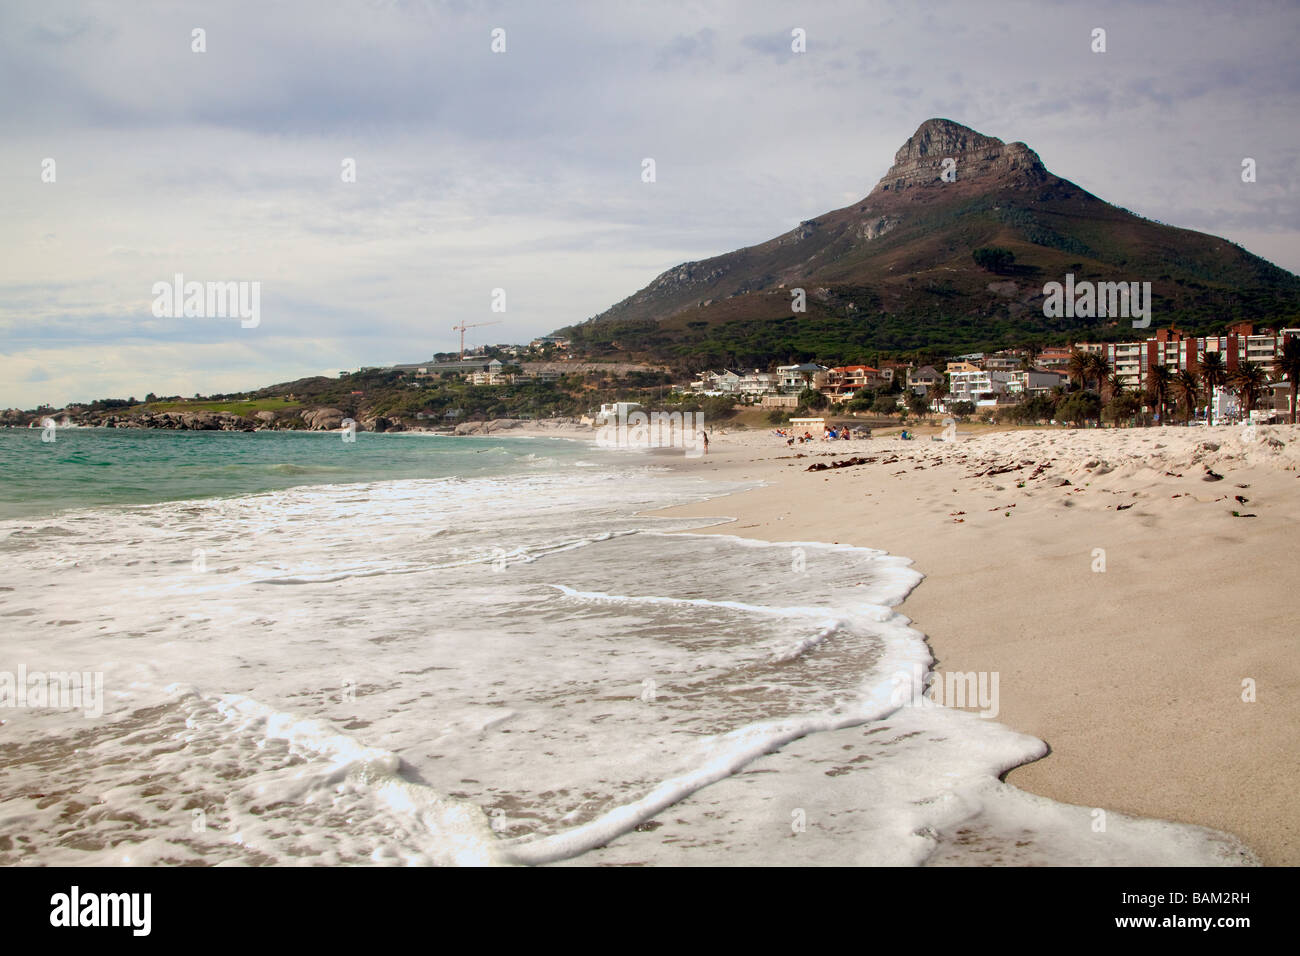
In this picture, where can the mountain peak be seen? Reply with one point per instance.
(895, 270)
(920, 161)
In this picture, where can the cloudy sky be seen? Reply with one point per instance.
(521, 170)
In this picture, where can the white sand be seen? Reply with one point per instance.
(1133, 676)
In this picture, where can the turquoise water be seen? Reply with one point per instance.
(95, 467)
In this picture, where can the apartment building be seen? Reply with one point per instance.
(1054, 359)
(976, 384)
(1033, 381)
(1178, 351)
(756, 383)
(795, 378)
(1003, 362)
(846, 381)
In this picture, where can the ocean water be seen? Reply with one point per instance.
(438, 651)
(86, 467)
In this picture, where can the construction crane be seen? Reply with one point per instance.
(462, 327)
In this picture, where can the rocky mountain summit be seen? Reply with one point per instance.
(895, 270)
(921, 160)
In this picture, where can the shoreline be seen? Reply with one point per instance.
(1119, 599)
(1131, 678)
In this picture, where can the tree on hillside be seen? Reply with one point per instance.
(993, 258)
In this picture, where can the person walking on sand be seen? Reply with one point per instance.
(705, 436)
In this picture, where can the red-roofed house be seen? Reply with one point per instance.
(847, 380)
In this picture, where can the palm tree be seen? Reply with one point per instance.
(1249, 382)
(1213, 372)
(1288, 365)
(1100, 368)
(1115, 384)
(1159, 384)
(1188, 389)
(1114, 394)
(936, 392)
(1080, 367)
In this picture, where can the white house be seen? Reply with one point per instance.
(795, 378)
(1033, 381)
(618, 410)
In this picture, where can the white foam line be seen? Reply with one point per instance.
(746, 745)
(816, 612)
(798, 648)
(761, 543)
(521, 554)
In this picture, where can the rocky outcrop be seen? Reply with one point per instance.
(687, 274)
(919, 161)
(381, 424)
(805, 230)
(876, 227)
(323, 419)
(203, 421)
(487, 428)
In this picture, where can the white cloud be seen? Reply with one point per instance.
(522, 170)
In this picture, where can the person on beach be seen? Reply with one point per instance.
(705, 436)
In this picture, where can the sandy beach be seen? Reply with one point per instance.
(1104, 575)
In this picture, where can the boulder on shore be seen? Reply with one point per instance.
(323, 419)
(487, 428)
